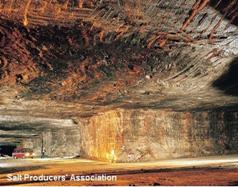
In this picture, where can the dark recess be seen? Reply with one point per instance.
(7, 149)
(227, 8)
(228, 82)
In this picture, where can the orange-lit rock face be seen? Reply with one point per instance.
(145, 135)
(71, 59)
(102, 136)
(106, 51)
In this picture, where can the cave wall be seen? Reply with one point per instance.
(146, 135)
(169, 63)
(135, 135)
(57, 143)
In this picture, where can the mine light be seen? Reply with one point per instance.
(25, 22)
(111, 156)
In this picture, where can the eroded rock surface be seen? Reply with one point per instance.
(145, 135)
(63, 142)
(72, 60)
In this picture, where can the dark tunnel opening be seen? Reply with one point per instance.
(228, 82)
(227, 8)
(7, 149)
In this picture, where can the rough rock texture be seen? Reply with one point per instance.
(56, 143)
(145, 135)
(140, 135)
(85, 59)
(67, 60)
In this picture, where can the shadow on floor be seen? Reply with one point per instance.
(19, 169)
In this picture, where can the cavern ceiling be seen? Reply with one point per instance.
(73, 58)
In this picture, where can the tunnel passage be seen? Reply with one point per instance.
(228, 81)
(7, 149)
(153, 59)
(58, 137)
(56, 143)
(138, 135)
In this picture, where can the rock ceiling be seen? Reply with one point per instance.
(67, 59)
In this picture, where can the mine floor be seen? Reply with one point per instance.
(216, 170)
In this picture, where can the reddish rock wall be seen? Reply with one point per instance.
(145, 135)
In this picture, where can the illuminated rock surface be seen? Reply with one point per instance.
(143, 135)
(169, 62)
